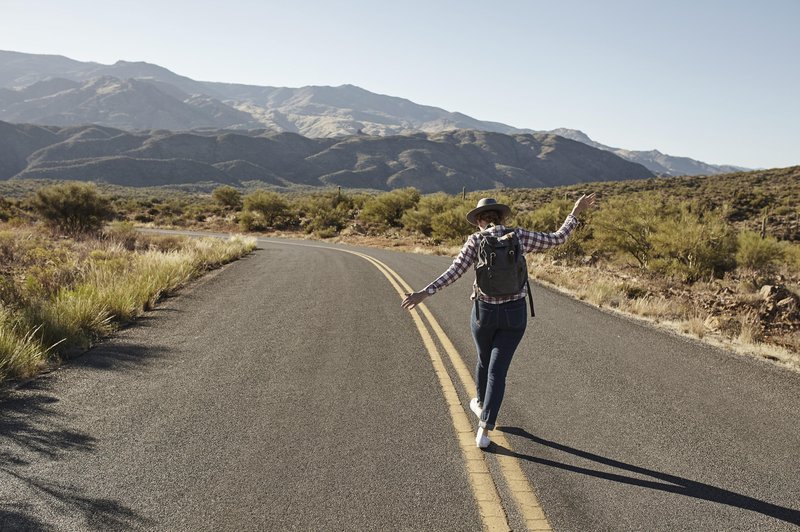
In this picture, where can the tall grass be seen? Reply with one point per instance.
(115, 286)
(21, 355)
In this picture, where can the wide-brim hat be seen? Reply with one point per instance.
(488, 204)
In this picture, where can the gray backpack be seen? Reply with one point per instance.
(501, 269)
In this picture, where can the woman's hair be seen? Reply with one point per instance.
(492, 217)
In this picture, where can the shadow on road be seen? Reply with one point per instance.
(34, 433)
(670, 484)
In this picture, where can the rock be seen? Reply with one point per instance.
(767, 290)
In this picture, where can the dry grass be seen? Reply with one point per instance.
(602, 294)
(750, 332)
(110, 285)
(656, 307)
(695, 326)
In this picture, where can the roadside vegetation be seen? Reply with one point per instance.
(69, 275)
(714, 257)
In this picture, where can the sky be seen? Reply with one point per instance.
(714, 80)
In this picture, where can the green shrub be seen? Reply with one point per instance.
(263, 210)
(72, 208)
(325, 214)
(5, 209)
(419, 218)
(387, 209)
(228, 196)
(451, 225)
(627, 225)
(791, 255)
(548, 217)
(691, 245)
(758, 253)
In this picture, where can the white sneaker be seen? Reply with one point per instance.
(481, 439)
(475, 407)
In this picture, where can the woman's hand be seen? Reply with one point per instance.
(583, 203)
(413, 299)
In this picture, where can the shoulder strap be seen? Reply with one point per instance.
(530, 298)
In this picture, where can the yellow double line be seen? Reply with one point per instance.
(483, 487)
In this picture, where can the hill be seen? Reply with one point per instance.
(448, 161)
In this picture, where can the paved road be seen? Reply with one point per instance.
(290, 391)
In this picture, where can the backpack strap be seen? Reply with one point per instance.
(530, 298)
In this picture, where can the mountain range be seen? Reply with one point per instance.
(55, 90)
(445, 161)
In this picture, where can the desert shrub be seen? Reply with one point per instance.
(791, 255)
(693, 245)
(627, 225)
(72, 208)
(387, 209)
(53, 268)
(5, 209)
(451, 225)
(262, 210)
(228, 196)
(758, 253)
(325, 214)
(439, 216)
(548, 217)
(419, 218)
(123, 233)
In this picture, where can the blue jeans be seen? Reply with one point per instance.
(497, 331)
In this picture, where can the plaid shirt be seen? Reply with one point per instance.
(530, 241)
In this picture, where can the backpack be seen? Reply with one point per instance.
(501, 269)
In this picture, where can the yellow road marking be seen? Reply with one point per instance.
(483, 487)
(524, 497)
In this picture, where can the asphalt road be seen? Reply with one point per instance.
(289, 391)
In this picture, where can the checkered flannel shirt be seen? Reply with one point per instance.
(530, 241)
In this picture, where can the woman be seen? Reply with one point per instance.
(498, 323)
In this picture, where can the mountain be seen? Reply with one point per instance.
(129, 104)
(446, 161)
(653, 160)
(55, 90)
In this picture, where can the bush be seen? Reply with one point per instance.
(419, 218)
(791, 254)
(122, 232)
(692, 245)
(5, 209)
(72, 208)
(439, 216)
(758, 253)
(387, 209)
(548, 217)
(627, 225)
(451, 225)
(228, 196)
(264, 210)
(325, 214)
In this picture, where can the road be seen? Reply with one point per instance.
(289, 391)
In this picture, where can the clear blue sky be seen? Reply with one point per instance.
(715, 80)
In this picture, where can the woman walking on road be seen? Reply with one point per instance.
(498, 323)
